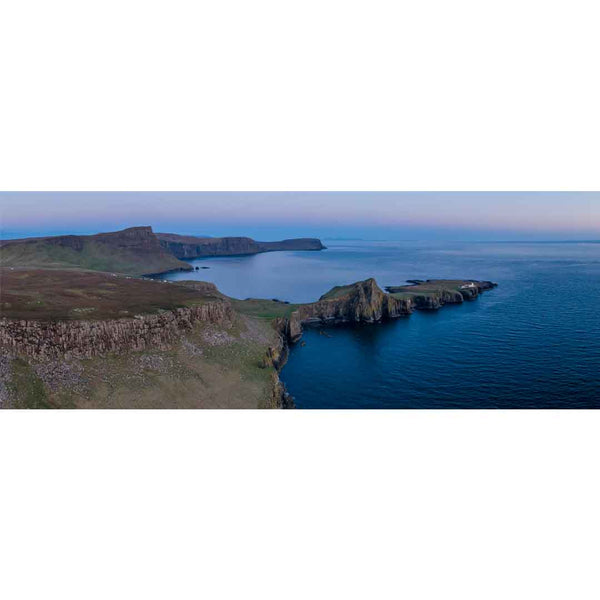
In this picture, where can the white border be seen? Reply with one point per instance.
(273, 95)
(318, 95)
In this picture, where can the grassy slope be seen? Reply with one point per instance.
(426, 288)
(209, 367)
(94, 255)
(337, 292)
(263, 309)
(73, 294)
(25, 387)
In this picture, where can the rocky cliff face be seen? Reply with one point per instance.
(293, 244)
(435, 300)
(364, 301)
(276, 357)
(361, 301)
(434, 293)
(187, 247)
(85, 339)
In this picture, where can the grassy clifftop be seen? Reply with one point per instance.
(211, 357)
(133, 251)
(55, 294)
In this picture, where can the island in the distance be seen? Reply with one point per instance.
(76, 334)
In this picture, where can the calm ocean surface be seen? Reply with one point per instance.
(532, 342)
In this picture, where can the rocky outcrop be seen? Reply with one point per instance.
(362, 301)
(276, 357)
(188, 247)
(432, 294)
(85, 339)
(435, 300)
(293, 244)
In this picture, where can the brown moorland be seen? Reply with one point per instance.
(52, 294)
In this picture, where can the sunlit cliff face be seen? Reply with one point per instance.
(273, 215)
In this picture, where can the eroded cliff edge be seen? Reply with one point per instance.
(98, 340)
(190, 247)
(364, 301)
(93, 340)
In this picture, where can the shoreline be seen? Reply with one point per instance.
(63, 329)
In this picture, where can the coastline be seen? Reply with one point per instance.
(183, 321)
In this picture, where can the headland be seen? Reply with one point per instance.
(75, 338)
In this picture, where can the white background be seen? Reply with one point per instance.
(313, 95)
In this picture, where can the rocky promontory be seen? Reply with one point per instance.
(73, 338)
(189, 247)
(133, 251)
(364, 301)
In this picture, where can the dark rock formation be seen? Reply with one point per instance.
(85, 339)
(434, 293)
(364, 301)
(188, 247)
(361, 301)
(293, 244)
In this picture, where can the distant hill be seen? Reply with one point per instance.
(187, 246)
(133, 251)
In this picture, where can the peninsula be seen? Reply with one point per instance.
(75, 338)
(133, 251)
(186, 246)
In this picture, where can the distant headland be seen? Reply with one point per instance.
(134, 251)
(80, 325)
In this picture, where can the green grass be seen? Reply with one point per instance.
(26, 387)
(94, 255)
(337, 292)
(428, 287)
(264, 309)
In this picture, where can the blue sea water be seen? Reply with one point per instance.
(532, 342)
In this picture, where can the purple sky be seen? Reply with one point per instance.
(273, 215)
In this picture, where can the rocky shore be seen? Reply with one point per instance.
(366, 302)
(216, 352)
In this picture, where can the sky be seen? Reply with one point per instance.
(499, 216)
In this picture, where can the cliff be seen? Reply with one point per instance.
(435, 293)
(188, 247)
(133, 251)
(361, 301)
(293, 244)
(86, 339)
(364, 301)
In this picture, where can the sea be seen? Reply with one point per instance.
(532, 342)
